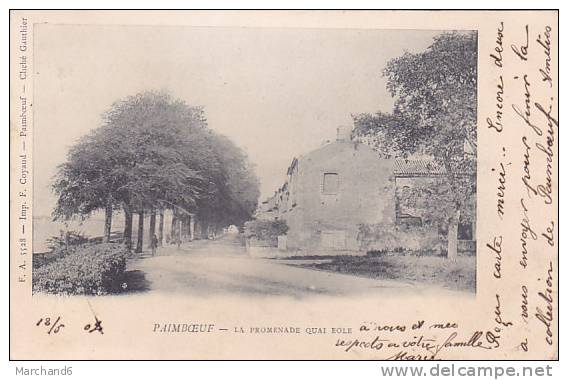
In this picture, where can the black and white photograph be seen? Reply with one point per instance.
(254, 161)
(284, 185)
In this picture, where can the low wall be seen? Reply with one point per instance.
(265, 252)
(269, 252)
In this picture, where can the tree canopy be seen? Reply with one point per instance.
(435, 108)
(434, 115)
(153, 151)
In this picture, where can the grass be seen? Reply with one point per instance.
(458, 275)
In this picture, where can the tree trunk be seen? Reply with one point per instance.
(204, 229)
(178, 229)
(455, 220)
(152, 224)
(108, 221)
(128, 227)
(453, 237)
(191, 227)
(161, 228)
(182, 226)
(173, 235)
(140, 239)
(188, 231)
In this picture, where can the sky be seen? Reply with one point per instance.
(277, 93)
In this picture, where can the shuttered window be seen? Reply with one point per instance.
(330, 183)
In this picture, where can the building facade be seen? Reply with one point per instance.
(334, 190)
(328, 193)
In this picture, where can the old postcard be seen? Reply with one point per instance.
(284, 185)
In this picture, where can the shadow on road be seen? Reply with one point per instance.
(136, 281)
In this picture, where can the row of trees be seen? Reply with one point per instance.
(434, 115)
(154, 153)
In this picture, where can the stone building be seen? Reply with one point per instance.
(330, 192)
(415, 173)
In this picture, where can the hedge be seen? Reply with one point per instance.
(89, 270)
(265, 230)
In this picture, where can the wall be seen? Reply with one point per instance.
(329, 222)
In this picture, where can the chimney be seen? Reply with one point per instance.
(344, 133)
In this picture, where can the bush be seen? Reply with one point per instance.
(91, 270)
(265, 230)
(65, 240)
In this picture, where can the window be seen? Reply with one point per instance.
(408, 220)
(465, 231)
(330, 183)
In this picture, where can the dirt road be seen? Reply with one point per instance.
(223, 267)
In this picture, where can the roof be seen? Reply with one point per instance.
(423, 168)
(292, 166)
(419, 167)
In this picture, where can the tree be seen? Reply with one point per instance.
(155, 153)
(434, 115)
(233, 189)
(80, 185)
(377, 130)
